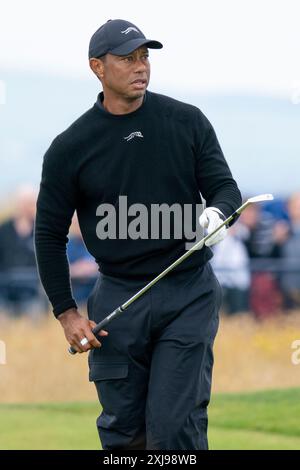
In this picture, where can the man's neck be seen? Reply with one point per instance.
(119, 105)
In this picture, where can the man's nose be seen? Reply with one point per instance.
(140, 66)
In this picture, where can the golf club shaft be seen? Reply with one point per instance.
(132, 299)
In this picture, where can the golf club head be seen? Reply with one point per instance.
(261, 197)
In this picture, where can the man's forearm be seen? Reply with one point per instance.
(53, 269)
(55, 207)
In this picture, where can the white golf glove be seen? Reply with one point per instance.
(210, 219)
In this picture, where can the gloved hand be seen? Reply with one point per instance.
(211, 218)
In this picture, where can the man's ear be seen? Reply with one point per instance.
(97, 67)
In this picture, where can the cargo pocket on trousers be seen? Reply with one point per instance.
(100, 371)
(111, 385)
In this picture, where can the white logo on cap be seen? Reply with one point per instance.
(128, 30)
(133, 135)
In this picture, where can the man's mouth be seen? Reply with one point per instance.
(139, 83)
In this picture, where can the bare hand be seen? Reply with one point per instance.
(76, 327)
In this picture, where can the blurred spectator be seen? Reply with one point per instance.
(231, 266)
(259, 233)
(19, 286)
(290, 254)
(83, 268)
(277, 209)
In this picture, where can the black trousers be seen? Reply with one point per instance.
(153, 372)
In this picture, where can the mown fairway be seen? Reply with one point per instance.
(261, 420)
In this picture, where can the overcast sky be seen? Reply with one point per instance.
(209, 45)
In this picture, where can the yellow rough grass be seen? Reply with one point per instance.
(38, 367)
(252, 355)
(249, 355)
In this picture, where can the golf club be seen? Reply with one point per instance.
(197, 246)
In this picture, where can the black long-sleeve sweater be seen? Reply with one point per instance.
(164, 152)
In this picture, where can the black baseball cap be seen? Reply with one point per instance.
(119, 37)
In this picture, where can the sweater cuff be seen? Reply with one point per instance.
(63, 306)
(225, 211)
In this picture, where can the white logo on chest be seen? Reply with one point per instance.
(133, 135)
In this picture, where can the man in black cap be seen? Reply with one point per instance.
(153, 371)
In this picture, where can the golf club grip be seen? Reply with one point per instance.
(71, 350)
(100, 325)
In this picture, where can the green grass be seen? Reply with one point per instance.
(261, 420)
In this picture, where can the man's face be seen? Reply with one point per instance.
(126, 76)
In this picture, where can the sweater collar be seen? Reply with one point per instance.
(99, 106)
